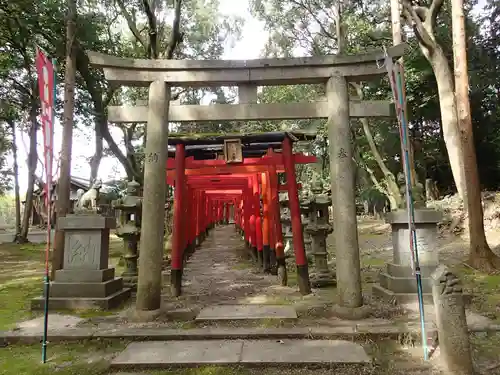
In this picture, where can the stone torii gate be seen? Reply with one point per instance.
(161, 75)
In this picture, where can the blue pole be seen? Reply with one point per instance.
(411, 209)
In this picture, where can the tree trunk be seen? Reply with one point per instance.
(431, 191)
(16, 183)
(63, 186)
(32, 164)
(480, 255)
(449, 119)
(397, 38)
(392, 187)
(95, 160)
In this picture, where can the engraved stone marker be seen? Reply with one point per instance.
(82, 251)
(85, 280)
(451, 322)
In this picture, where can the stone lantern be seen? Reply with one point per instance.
(319, 228)
(129, 228)
(305, 211)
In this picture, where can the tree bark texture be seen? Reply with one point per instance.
(63, 186)
(480, 255)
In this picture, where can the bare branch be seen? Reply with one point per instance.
(176, 35)
(312, 13)
(130, 22)
(434, 10)
(414, 20)
(153, 31)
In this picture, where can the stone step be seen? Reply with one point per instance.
(69, 303)
(246, 312)
(167, 354)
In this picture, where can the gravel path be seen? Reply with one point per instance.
(218, 273)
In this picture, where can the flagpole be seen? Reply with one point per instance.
(48, 152)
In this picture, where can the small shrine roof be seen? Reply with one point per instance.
(206, 146)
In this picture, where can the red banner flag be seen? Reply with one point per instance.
(46, 83)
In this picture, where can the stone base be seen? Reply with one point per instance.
(322, 280)
(397, 284)
(398, 298)
(84, 276)
(130, 281)
(85, 290)
(407, 298)
(403, 284)
(75, 303)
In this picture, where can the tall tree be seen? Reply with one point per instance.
(423, 20)
(63, 186)
(480, 255)
(17, 197)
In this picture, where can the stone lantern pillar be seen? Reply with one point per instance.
(286, 226)
(129, 228)
(305, 211)
(319, 228)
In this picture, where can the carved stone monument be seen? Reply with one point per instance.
(453, 334)
(397, 282)
(85, 281)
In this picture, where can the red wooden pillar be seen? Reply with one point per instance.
(178, 230)
(219, 212)
(198, 217)
(266, 235)
(279, 246)
(258, 220)
(298, 235)
(272, 225)
(205, 213)
(226, 213)
(246, 213)
(253, 236)
(191, 228)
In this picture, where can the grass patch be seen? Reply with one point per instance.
(484, 289)
(372, 262)
(21, 279)
(85, 358)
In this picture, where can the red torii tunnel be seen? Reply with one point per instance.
(235, 178)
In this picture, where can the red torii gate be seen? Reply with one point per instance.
(205, 191)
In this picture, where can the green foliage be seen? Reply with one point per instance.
(307, 27)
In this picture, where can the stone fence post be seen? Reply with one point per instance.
(453, 334)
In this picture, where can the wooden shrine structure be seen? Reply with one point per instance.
(335, 72)
(214, 176)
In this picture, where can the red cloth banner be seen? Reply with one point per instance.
(46, 84)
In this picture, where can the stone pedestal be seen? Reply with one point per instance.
(86, 281)
(397, 281)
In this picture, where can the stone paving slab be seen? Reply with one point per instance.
(170, 353)
(56, 322)
(246, 312)
(302, 352)
(222, 352)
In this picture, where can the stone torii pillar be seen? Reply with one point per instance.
(343, 196)
(151, 258)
